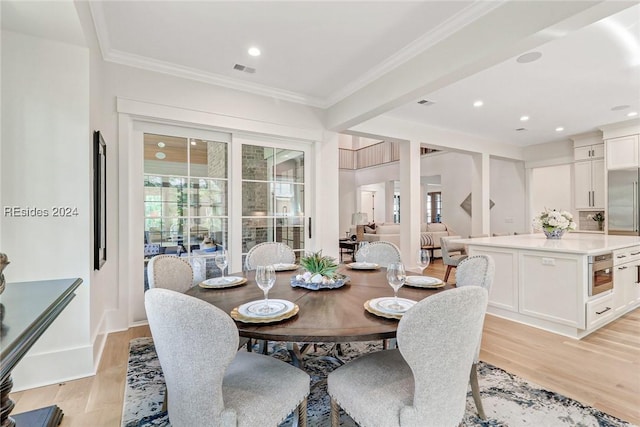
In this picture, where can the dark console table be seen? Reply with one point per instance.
(27, 309)
(349, 247)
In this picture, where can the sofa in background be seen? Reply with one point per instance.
(430, 235)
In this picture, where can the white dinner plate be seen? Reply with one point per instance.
(285, 267)
(385, 305)
(222, 282)
(252, 309)
(424, 282)
(363, 266)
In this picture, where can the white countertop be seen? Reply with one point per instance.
(578, 243)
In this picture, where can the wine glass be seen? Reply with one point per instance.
(265, 278)
(396, 277)
(221, 260)
(423, 259)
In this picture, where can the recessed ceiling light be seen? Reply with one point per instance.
(478, 103)
(559, 129)
(632, 114)
(524, 118)
(254, 51)
(193, 142)
(529, 57)
(620, 107)
(160, 155)
(161, 144)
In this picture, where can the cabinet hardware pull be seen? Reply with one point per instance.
(603, 311)
(621, 256)
(635, 253)
(638, 274)
(622, 268)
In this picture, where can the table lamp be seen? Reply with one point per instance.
(359, 219)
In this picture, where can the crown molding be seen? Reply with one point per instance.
(175, 70)
(463, 18)
(119, 57)
(442, 31)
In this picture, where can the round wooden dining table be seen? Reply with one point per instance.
(327, 315)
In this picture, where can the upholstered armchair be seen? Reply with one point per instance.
(452, 254)
(269, 253)
(477, 270)
(170, 272)
(210, 383)
(424, 382)
(381, 252)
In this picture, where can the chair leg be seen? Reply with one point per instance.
(335, 413)
(302, 413)
(446, 274)
(165, 401)
(475, 390)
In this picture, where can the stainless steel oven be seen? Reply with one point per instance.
(600, 273)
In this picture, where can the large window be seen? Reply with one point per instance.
(185, 193)
(273, 185)
(433, 207)
(396, 208)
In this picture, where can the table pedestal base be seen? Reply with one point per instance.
(51, 416)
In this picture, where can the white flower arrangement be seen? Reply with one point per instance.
(550, 220)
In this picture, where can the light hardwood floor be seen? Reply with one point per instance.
(601, 370)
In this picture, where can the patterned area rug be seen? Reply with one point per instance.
(507, 399)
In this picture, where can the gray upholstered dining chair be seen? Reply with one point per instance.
(452, 254)
(208, 381)
(380, 252)
(170, 272)
(269, 253)
(424, 382)
(477, 270)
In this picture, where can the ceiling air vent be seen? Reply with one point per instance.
(520, 129)
(240, 67)
(425, 102)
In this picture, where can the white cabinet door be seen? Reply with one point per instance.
(597, 151)
(582, 189)
(589, 185)
(552, 287)
(622, 152)
(623, 277)
(588, 152)
(582, 153)
(597, 184)
(504, 289)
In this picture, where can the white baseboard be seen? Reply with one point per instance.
(53, 367)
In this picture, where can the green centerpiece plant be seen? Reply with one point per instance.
(320, 272)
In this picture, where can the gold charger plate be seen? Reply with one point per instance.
(241, 281)
(372, 310)
(283, 316)
(425, 282)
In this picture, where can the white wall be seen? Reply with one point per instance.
(508, 194)
(550, 188)
(46, 162)
(454, 172)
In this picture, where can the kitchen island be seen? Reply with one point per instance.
(546, 283)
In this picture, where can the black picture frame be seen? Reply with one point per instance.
(99, 200)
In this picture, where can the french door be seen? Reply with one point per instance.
(273, 196)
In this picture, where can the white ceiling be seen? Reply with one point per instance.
(326, 54)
